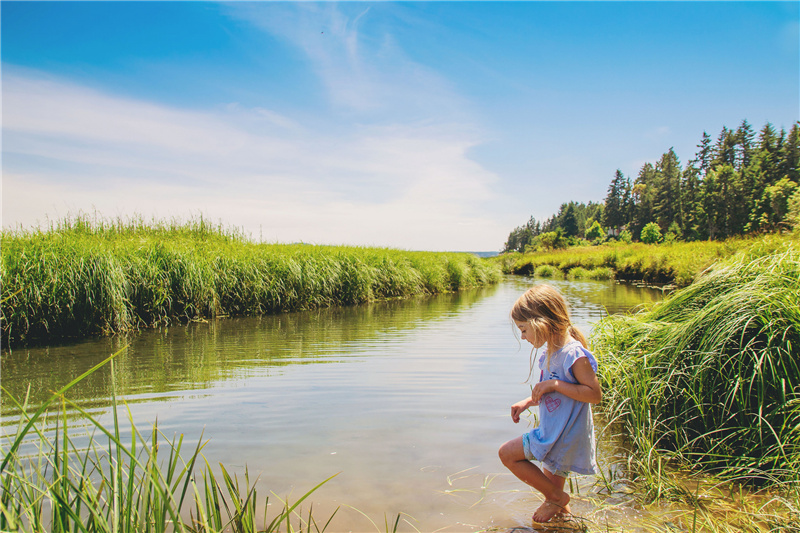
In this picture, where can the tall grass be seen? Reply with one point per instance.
(80, 277)
(678, 263)
(710, 377)
(141, 485)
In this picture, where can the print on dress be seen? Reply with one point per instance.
(551, 403)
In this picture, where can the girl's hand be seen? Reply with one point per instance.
(587, 389)
(518, 408)
(542, 388)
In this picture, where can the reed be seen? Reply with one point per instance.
(710, 377)
(80, 277)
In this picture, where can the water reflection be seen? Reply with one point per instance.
(198, 355)
(407, 400)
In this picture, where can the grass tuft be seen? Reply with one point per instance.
(547, 271)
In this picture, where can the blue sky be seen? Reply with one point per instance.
(418, 125)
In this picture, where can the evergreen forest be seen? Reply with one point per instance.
(739, 184)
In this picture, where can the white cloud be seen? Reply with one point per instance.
(68, 148)
(363, 69)
(386, 166)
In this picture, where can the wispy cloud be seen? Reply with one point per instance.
(68, 147)
(361, 65)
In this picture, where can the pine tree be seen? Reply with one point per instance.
(569, 221)
(710, 199)
(789, 159)
(744, 144)
(667, 191)
(768, 145)
(690, 194)
(643, 197)
(725, 148)
(731, 209)
(614, 215)
(627, 202)
(705, 154)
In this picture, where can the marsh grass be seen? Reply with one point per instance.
(547, 271)
(709, 380)
(577, 273)
(134, 484)
(677, 263)
(705, 504)
(80, 277)
(601, 273)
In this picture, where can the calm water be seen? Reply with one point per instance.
(407, 401)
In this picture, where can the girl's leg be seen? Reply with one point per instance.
(543, 511)
(551, 486)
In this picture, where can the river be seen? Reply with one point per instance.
(406, 400)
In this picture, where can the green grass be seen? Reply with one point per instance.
(547, 271)
(550, 271)
(601, 273)
(710, 378)
(80, 278)
(577, 273)
(677, 263)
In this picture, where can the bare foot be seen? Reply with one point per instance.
(550, 509)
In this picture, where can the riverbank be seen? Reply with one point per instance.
(677, 263)
(80, 278)
(709, 381)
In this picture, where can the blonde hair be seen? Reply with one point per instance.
(546, 310)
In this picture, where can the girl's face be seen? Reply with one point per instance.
(529, 334)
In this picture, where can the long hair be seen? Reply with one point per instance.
(546, 310)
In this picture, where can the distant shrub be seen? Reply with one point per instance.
(595, 232)
(625, 237)
(651, 233)
(553, 240)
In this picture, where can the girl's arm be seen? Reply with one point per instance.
(520, 407)
(586, 390)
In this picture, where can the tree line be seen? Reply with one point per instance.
(741, 183)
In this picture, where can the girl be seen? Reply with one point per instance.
(564, 440)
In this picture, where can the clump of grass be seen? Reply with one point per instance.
(122, 487)
(601, 273)
(547, 271)
(709, 377)
(82, 277)
(577, 273)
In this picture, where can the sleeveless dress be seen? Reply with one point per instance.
(564, 441)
